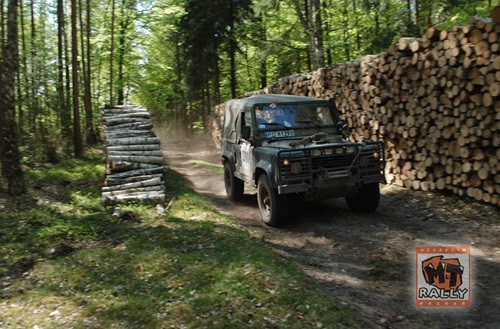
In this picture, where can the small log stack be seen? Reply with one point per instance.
(134, 162)
(434, 101)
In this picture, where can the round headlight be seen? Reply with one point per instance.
(295, 168)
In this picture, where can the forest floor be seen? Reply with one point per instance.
(66, 263)
(367, 261)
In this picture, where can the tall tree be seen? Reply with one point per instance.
(111, 52)
(9, 152)
(64, 114)
(90, 135)
(310, 18)
(2, 28)
(127, 15)
(77, 134)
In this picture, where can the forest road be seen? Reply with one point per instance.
(367, 261)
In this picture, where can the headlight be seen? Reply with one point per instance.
(350, 149)
(339, 150)
(316, 152)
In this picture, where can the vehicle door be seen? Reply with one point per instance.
(244, 158)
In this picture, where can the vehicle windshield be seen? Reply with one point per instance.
(290, 116)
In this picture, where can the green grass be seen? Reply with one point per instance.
(190, 268)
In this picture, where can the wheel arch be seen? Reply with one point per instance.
(265, 167)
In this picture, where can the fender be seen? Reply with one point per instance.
(270, 170)
(230, 157)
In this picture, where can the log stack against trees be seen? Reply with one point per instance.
(434, 101)
(134, 161)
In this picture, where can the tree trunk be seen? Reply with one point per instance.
(67, 112)
(23, 71)
(111, 50)
(2, 29)
(33, 83)
(416, 14)
(327, 30)
(317, 33)
(64, 116)
(77, 135)
(356, 23)
(232, 50)
(124, 22)
(9, 154)
(345, 31)
(90, 135)
(312, 24)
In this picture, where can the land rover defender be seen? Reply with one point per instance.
(292, 147)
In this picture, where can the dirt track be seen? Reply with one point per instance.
(367, 260)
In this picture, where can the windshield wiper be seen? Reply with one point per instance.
(308, 122)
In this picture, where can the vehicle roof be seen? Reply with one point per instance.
(270, 98)
(234, 106)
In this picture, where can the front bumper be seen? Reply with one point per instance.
(330, 171)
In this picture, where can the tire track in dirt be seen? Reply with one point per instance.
(367, 260)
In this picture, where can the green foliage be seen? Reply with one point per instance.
(176, 55)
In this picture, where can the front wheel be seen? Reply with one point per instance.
(273, 207)
(234, 186)
(366, 200)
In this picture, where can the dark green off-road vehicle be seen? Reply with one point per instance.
(291, 147)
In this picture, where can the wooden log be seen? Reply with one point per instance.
(135, 114)
(135, 191)
(116, 213)
(144, 183)
(155, 153)
(119, 166)
(136, 158)
(139, 198)
(138, 172)
(130, 125)
(137, 147)
(133, 141)
(118, 121)
(109, 181)
(127, 133)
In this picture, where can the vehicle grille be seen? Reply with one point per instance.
(332, 162)
(304, 174)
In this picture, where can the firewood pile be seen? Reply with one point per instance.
(434, 101)
(134, 161)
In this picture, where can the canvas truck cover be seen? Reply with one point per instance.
(231, 111)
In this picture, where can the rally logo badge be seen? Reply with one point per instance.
(443, 276)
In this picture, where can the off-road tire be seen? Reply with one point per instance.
(273, 207)
(366, 200)
(234, 186)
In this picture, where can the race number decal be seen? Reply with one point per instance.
(246, 158)
(279, 134)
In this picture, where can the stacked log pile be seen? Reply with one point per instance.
(434, 101)
(134, 161)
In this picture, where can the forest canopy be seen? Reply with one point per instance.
(61, 61)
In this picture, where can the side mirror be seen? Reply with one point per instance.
(246, 132)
